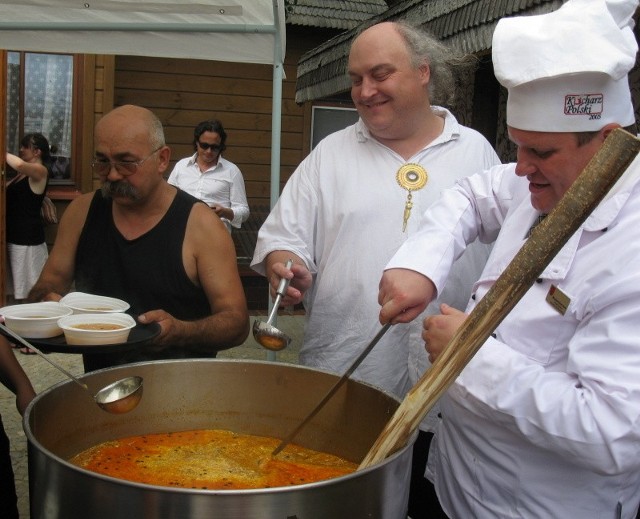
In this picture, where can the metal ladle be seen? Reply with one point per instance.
(119, 397)
(266, 334)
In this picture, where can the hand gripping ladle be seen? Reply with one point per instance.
(119, 397)
(266, 334)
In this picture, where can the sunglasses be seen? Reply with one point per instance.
(206, 146)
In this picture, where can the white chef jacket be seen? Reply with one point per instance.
(220, 185)
(544, 421)
(342, 213)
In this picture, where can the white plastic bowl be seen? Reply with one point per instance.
(85, 337)
(35, 320)
(82, 303)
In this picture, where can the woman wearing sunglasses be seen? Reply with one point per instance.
(211, 178)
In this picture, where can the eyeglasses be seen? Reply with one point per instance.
(124, 167)
(206, 146)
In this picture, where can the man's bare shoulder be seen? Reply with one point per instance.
(202, 213)
(205, 224)
(78, 208)
(83, 200)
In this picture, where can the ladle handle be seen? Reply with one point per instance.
(345, 376)
(32, 347)
(282, 288)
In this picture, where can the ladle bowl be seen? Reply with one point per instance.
(121, 396)
(118, 397)
(265, 333)
(270, 337)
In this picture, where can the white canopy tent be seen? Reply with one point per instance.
(244, 31)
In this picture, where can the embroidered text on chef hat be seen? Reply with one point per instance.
(566, 71)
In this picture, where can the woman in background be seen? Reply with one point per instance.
(26, 245)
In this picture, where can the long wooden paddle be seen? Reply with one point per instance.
(602, 172)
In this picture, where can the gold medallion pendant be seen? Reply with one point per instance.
(411, 177)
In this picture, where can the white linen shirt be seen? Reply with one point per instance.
(544, 421)
(221, 185)
(342, 213)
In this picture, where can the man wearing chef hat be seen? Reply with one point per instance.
(544, 421)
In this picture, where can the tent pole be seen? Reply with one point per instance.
(276, 128)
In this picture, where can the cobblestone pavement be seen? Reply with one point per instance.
(43, 376)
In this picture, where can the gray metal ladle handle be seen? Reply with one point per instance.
(32, 347)
(282, 288)
(345, 376)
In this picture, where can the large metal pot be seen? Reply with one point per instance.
(261, 398)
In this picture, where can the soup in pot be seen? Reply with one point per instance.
(210, 459)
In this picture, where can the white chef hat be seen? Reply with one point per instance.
(566, 71)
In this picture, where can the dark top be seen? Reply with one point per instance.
(147, 272)
(24, 223)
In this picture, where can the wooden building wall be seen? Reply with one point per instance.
(184, 92)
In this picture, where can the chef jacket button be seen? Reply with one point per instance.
(473, 296)
(539, 280)
(605, 229)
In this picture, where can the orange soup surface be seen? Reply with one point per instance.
(210, 459)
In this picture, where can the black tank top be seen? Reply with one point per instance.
(147, 272)
(24, 223)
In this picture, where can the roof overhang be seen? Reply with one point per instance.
(466, 25)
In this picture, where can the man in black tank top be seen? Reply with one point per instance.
(144, 241)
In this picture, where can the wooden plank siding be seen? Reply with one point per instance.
(184, 92)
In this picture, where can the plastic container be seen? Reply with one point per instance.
(82, 303)
(96, 329)
(35, 320)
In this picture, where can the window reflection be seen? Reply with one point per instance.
(40, 99)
